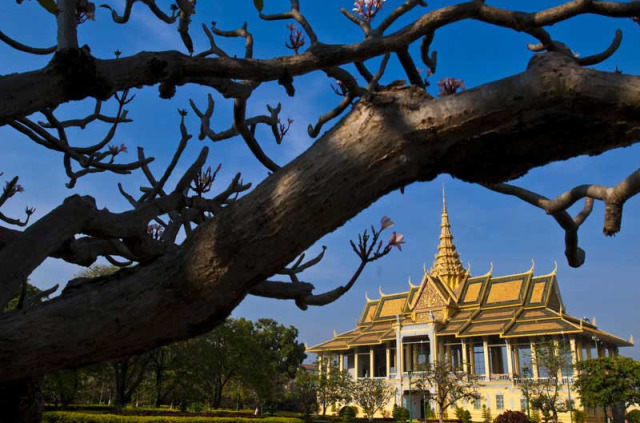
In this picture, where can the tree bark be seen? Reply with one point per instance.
(21, 401)
(553, 111)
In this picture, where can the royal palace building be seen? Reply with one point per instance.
(486, 326)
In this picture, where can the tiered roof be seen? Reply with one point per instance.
(462, 306)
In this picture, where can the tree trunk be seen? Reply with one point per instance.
(441, 415)
(21, 401)
(159, 379)
(618, 412)
(398, 136)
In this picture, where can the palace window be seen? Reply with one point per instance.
(523, 404)
(478, 359)
(498, 359)
(477, 404)
(500, 402)
(524, 361)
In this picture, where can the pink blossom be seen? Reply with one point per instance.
(396, 240)
(385, 223)
(296, 39)
(449, 86)
(367, 9)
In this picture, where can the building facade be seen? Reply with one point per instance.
(486, 326)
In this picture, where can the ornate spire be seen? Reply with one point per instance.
(447, 266)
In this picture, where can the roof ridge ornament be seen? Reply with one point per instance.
(533, 265)
(490, 272)
(411, 286)
(555, 268)
(380, 291)
(366, 296)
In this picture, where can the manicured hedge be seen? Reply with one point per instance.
(71, 417)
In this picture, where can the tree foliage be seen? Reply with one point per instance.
(552, 359)
(449, 385)
(372, 395)
(608, 380)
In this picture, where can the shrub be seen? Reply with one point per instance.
(486, 414)
(580, 416)
(71, 417)
(429, 412)
(400, 414)
(459, 413)
(633, 416)
(347, 414)
(512, 417)
(466, 418)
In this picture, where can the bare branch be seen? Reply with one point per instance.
(575, 255)
(601, 57)
(25, 48)
(409, 67)
(397, 13)
(240, 125)
(295, 14)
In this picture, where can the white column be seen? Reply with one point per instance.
(399, 351)
(371, 362)
(341, 365)
(487, 370)
(534, 361)
(433, 346)
(574, 356)
(465, 356)
(388, 360)
(355, 363)
(509, 359)
(320, 358)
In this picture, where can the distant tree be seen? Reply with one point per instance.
(168, 366)
(551, 359)
(450, 386)
(608, 381)
(305, 392)
(372, 395)
(225, 353)
(281, 344)
(129, 373)
(61, 387)
(334, 386)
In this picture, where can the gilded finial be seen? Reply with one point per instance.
(366, 297)
(593, 321)
(335, 334)
(380, 291)
(555, 268)
(631, 339)
(424, 267)
(306, 347)
(444, 201)
(447, 266)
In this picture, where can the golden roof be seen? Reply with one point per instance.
(519, 305)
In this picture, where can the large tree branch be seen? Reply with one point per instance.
(74, 74)
(392, 138)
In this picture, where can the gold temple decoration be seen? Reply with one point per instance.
(447, 266)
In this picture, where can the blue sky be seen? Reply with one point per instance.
(488, 227)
